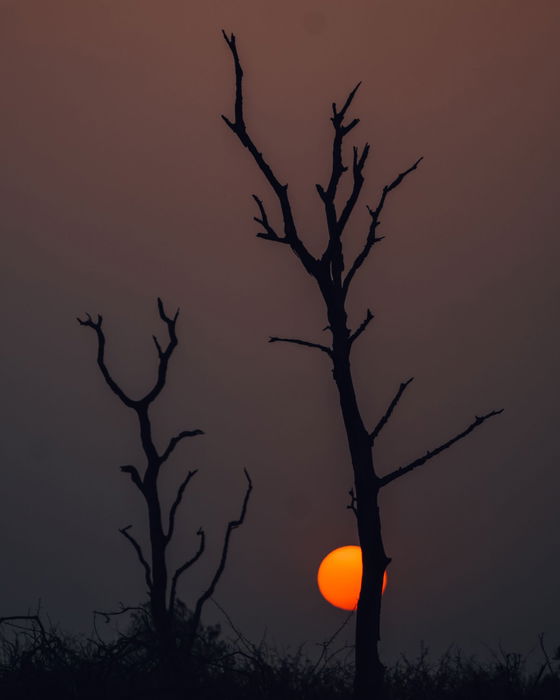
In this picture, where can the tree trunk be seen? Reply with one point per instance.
(369, 674)
(162, 617)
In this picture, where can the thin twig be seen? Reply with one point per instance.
(381, 424)
(297, 341)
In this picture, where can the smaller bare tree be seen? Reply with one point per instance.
(162, 589)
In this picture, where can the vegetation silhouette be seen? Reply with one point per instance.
(38, 661)
(162, 589)
(334, 275)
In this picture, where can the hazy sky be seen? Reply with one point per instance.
(119, 182)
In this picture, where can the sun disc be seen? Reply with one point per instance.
(340, 577)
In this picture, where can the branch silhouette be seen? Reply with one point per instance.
(138, 549)
(232, 525)
(430, 454)
(382, 422)
(305, 343)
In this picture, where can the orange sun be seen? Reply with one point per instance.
(340, 576)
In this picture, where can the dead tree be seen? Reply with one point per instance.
(334, 276)
(162, 588)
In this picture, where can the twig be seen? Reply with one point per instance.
(381, 424)
(297, 341)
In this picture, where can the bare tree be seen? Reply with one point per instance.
(334, 276)
(162, 588)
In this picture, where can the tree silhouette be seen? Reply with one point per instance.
(334, 276)
(162, 589)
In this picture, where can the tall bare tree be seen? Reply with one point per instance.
(162, 588)
(334, 276)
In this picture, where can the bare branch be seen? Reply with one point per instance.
(339, 115)
(479, 420)
(375, 213)
(115, 388)
(176, 440)
(333, 255)
(232, 525)
(381, 424)
(361, 328)
(134, 475)
(239, 128)
(357, 169)
(186, 565)
(176, 503)
(138, 550)
(164, 355)
(158, 347)
(340, 131)
(323, 348)
(270, 234)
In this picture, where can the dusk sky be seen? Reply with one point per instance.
(119, 182)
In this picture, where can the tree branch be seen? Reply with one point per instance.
(176, 440)
(333, 254)
(115, 388)
(134, 475)
(323, 348)
(138, 550)
(361, 328)
(176, 503)
(270, 234)
(358, 164)
(239, 128)
(374, 214)
(186, 565)
(164, 355)
(232, 525)
(432, 453)
(381, 424)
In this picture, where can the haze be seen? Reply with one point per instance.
(119, 182)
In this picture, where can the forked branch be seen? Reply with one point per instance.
(358, 163)
(338, 168)
(239, 128)
(115, 388)
(163, 354)
(269, 234)
(381, 424)
(432, 453)
(374, 215)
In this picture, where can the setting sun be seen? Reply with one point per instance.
(340, 576)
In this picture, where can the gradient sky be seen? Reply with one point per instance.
(119, 182)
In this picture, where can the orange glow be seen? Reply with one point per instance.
(340, 576)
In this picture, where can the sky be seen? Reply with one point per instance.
(119, 182)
